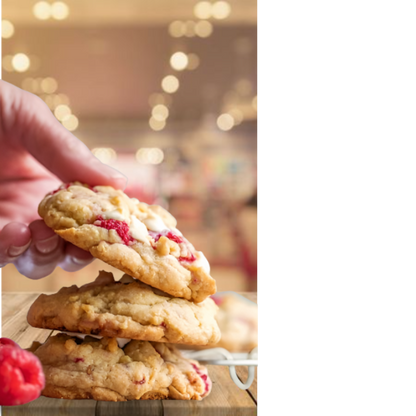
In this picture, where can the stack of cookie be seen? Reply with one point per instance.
(117, 335)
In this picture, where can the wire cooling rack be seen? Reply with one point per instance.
(220, 356)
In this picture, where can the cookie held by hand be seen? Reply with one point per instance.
(141, 240)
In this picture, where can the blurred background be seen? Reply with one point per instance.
(166, 92)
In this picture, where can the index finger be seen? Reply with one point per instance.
(26, 120)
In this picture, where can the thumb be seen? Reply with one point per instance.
(27, 121)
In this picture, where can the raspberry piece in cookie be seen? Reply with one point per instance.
(141, 240)
(21, 376)
(126, 309)
(101, 370)
(121, 227)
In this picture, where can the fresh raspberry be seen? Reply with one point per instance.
(21, 376)
(121, 227)
(7, 341)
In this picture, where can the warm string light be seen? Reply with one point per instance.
(20, 62)
(225, 122)
(150, 156)
(180, 61)
(170, 84)
(218, 10)
(57, 10)
(46, 89)
(202, 29)
(7, 29)
(104, 154)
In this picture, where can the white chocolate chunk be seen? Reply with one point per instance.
(114, 215)
(138, 230)
(201, 261)
(155, 223)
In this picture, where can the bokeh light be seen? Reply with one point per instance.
(179, 61)
(203, 10)
(203, 29)
(152, 156)
(170, 84)
(157, 125)
(20, 62)
(221, 10)
(7, 29)
(70, 122)
(193, 61)
(42, 10)
(177, 29)
(225, 122)
(160, 112)
(49, 85)
(7, 63)
(62, 111)
(237, 115)
(160, 98)
(59, 10)
(104, 154)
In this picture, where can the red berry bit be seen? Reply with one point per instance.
(177, 239)
(204, 377)
(21, 376)
(77, 360)
(166, 233)
(189, 259)
(66, 186)
(140, 382)
(63, 186)
(121, 227)
(164, 325)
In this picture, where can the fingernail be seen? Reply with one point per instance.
(76, 260)
(48, 245)
(17, 251)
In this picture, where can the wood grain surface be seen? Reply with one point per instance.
(225, 399)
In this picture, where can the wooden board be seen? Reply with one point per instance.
(225, 399)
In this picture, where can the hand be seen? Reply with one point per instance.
(37, 154)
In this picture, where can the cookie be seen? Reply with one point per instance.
(141, 240)
(238, 322)
(101, 370)
(126, 309)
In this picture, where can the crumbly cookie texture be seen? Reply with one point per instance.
(139, 239)
(126, 309)
(100, 370)
(238, 322)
